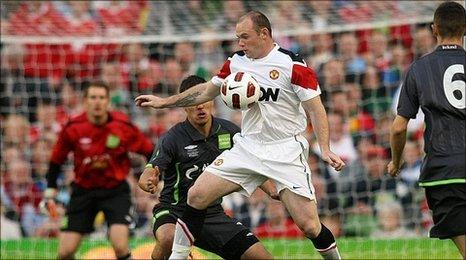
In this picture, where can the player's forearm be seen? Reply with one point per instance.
(397, 144)
(320, 125)
(196, 95)
(398, 138)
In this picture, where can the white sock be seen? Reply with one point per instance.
(331, 252)
(182, 241)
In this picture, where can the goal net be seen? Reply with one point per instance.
(360, 51)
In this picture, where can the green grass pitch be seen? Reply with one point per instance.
(350, 248)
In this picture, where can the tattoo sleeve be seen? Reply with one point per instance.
(189, 100)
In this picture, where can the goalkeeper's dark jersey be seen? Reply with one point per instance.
(183, 153)
(436, 83)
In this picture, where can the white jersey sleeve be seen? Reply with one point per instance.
(304, 81)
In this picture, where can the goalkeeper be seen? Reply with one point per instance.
(100, 141)
(182, 154)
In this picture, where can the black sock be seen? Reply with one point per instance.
(194, 219)
(125, 257)
(324, 240)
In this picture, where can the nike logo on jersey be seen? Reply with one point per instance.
(239, 223)
(249, 234)
(296, 187)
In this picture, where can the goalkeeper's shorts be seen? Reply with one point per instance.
(249, 163)
(221, 234)
(84, 205)
(448, 205)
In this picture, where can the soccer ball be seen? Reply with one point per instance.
(240, 91)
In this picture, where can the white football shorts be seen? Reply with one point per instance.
(250, 162)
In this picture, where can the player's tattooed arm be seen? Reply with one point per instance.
(188, 100)
(196, 95)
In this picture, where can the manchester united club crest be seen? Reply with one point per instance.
(218, 162)
(274, 74)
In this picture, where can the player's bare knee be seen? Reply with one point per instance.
(197, 198)
(310, 229)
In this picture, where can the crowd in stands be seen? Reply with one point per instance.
(359, 73)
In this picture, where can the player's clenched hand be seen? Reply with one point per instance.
(334, 160)
(149, 101)
(149, 179)
(393, 169)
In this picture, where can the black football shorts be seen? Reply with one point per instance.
(448, 205)
(221, 234)
(86, 203)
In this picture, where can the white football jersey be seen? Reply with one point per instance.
(285, 81)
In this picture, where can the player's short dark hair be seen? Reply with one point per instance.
(189, 82)
(259, 20)
(450, 19)
(96, 84)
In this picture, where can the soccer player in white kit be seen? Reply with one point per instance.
(270, 145)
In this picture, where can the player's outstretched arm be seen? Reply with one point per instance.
(196, 95)
(149, 179)
(316, 112)
(397, 144)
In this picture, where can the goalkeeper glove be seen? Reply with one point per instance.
(48, 204)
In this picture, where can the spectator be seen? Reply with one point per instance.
(283, 12)
(184, 55)
(323, 51)
(79, 18)
(339, 102)
(42, 150)
(348, 51)
(382, 131)
(46, 124)
(173, 73)
(70, 103)
(149, 79)
(119, 95)
(121, 17)
(25, 196)
(10, 229)
(378, 54)
(209, 55)
(232, 10)
(424, 42)
(376, 99)
(196, 13)
(391, 78)
(16, 131)
(318, 13)
(390, 222)
(331, 78)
